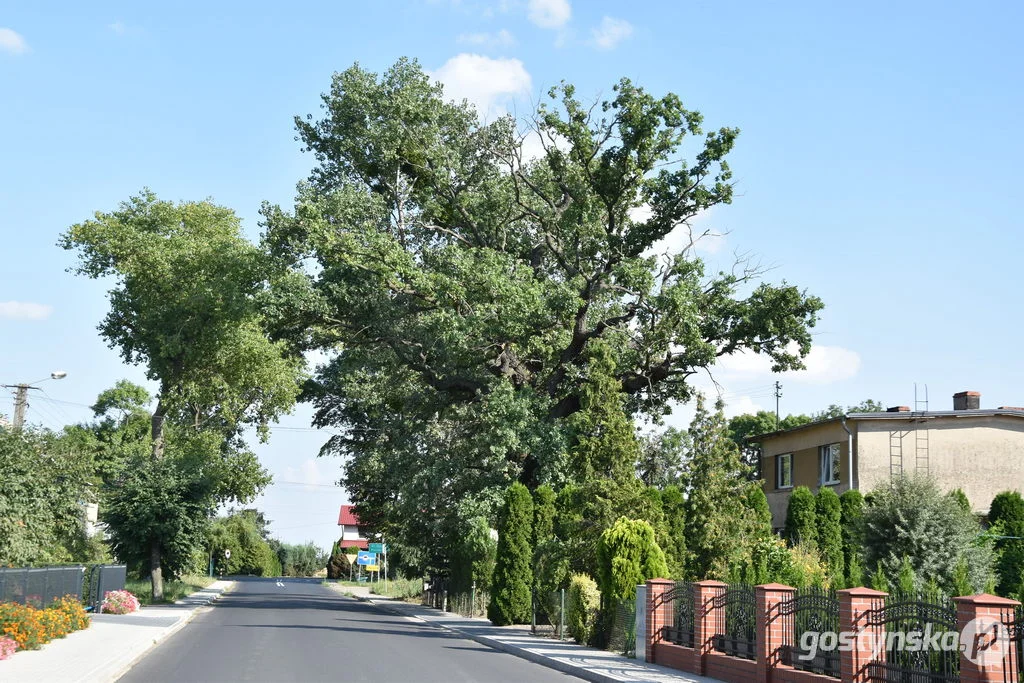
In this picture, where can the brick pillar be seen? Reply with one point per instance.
(658, 613)
(869, 643)
(705, 619)
(772, 629)
(988, 654)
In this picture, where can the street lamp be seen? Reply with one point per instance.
(21, 395)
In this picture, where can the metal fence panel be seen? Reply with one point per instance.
(40, 586)
(906, 613)
(735, 630)
(814, 610)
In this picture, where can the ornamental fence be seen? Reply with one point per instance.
(40, 586)
(775, 633)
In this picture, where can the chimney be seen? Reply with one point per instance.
(898, 409)
(967, 400)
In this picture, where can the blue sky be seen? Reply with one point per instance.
(877, 166)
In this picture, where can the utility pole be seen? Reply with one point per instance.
(21, 395)
(20, 404)
(778, 395)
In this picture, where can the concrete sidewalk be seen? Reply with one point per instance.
(584, 662)
(109, 647)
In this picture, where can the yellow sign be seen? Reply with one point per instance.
(373, 568)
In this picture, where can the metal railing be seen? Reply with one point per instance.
(103, 578)
(814, 610)
(920, 613)
(735, 628)
(681, 630)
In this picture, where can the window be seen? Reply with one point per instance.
(829, 472)
(784, 471)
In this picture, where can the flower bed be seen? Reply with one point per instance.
(24, 627)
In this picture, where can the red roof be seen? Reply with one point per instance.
(360, 543)
(347, 516)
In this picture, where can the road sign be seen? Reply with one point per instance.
(366, 558)
(377, 548)
(373, 567)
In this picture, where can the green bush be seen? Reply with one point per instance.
(628, 555)
(828, 511)
(1006, 515)
(910, 518)
(513, 571)
(801, 517)
(851, 517)
(581, 613)
(338, 565)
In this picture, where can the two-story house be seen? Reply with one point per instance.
(350, 534)
(979, 451)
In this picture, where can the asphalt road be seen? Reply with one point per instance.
(304, 631)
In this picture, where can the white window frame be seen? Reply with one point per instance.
(829, 464)
(778, 471)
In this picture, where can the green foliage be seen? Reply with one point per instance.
(757, 503)
(513, 573)
(720, 529)
(878, 579)
(674, 507)
(773, 561)
(544, 512)
(961, 499)
(251, 554)
(834, 410)
(906, 578)
(801, 517)
(662, 457)
(627, 556)
(338, 565)
(828, 513)
(912, 519)
(41, 484)
(168, 502)
(475, 558)
(1006, 515)
(479, 296)
(851, 517)
(583, 603)
(743, 427)
(300, 560)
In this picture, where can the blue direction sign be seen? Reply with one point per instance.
(376, 547)
(364, 557)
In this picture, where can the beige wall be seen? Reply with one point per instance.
(803, 444)
(981, 455)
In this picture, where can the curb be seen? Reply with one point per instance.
(184, 621)
(534, 657)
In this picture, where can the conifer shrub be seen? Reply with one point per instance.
(801, 517)
(627, 556)
(513, 570)
(851, 505)
(1006, 517)
(828, 512)
(584, 601)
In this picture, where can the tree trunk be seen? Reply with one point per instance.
(156, 577)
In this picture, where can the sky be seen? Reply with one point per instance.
(877, 167)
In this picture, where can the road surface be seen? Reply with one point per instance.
(305, 631)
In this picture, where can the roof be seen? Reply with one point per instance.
(347, 516)
(360, 543)
(915, 415)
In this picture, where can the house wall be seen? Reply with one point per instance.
(350, 532)
(981, 455)
(803, 444)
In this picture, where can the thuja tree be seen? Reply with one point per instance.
(801, 518)
(720, 527)
(513, 573)
(626, 556)
(1006, 516)
(828, 512)
(912, 519)
(851, 517)
(466, 283)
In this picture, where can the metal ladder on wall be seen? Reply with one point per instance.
(896, 453)
(921, 434)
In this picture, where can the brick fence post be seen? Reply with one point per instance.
(659, 614)
(855, 606)
(988, 654)
(772, 629)
(705, 620)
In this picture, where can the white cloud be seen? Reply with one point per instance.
(11, 41)
(24, 310)
(611, 32)
(118, 27)
(549, 13)
(825, 364)
(487, 83)
(500, 39)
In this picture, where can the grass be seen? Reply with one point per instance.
(173, 590)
